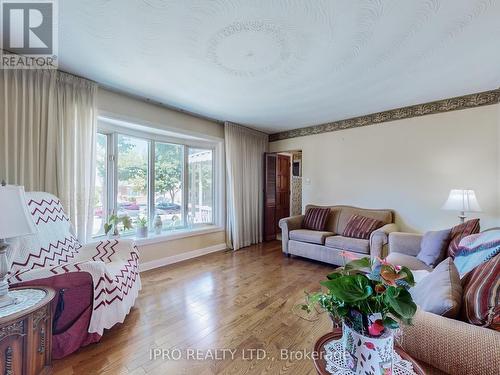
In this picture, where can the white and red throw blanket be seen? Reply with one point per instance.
(112, 263)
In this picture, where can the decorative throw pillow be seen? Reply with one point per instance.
(460, 231)
(481, 297)
(477, 249)
(315, 218)
(433, 247)
(440, 292)
(361, 227)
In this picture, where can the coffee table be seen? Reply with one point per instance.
(336, 334)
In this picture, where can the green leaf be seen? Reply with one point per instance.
(107, 228)
(390, 323)
(333, 275)
(349, 288)
(409, 276)
(358, 265)
(400, 302)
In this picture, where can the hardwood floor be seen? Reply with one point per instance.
(238, 301)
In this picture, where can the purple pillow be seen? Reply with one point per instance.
(433, 247)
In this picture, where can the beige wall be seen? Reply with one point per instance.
(172, 248)
(408, 165)
(110, 102)
(125, 107)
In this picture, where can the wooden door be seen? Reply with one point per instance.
(282, 188)
(270, 162)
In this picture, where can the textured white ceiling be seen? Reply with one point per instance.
(282, 64)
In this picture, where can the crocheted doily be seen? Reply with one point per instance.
(335, 361)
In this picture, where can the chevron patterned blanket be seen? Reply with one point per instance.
(112, 263)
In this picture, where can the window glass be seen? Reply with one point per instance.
(169, 161)
(200, 197)
(182, 185)
(132, 172)
(100, 194)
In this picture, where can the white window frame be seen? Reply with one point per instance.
(111, 126)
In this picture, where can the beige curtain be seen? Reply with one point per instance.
(47, 138)
(245, 150)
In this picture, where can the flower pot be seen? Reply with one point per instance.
(142, 232)
(366, 355)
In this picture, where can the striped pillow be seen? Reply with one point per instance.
(361, 227)
(315, 218)
(460, 231)
(480, 300)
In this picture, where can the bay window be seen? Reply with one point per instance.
(145, 175)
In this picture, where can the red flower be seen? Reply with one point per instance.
(376, 328)
(379, 288)
(370, 345)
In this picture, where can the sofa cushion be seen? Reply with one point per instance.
(440, 292)
(315, 218)
(346, 212)
(481, 297)
(400, 259)
(460, 231)
(350, 244)
(361, 227)
(311, 236)
(433, 247)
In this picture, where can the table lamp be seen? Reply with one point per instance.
(462, 201)
(15, 221)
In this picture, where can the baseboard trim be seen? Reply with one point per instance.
(157, 263)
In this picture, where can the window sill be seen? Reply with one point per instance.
(169, 236)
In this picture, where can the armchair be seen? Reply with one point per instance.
(107, 272)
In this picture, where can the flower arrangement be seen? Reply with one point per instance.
(367, 295)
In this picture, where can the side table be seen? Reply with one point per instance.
(26, 332)
(336, 334)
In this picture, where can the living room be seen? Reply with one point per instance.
(250, 187)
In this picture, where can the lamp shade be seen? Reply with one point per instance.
(462, 200)
(15, 219)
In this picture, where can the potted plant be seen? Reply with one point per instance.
(370, 298)
(111, 228)
(142, 227)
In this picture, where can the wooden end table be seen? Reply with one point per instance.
(336, 334)
(26, 332)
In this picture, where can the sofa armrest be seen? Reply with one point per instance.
(405, 243)
(379, 240)
(452, 346)
(287, 224)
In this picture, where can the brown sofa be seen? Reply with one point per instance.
(328, 246)
(443, 345)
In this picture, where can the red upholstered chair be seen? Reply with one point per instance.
(97, 283)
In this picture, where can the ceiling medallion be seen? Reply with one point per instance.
(248, 49)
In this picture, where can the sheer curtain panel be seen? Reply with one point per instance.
(245, 150)
(47, 138)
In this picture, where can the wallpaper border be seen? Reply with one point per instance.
(438, 106)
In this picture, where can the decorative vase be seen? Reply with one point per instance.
(158, 224)
(142, 232)
(367, 355)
